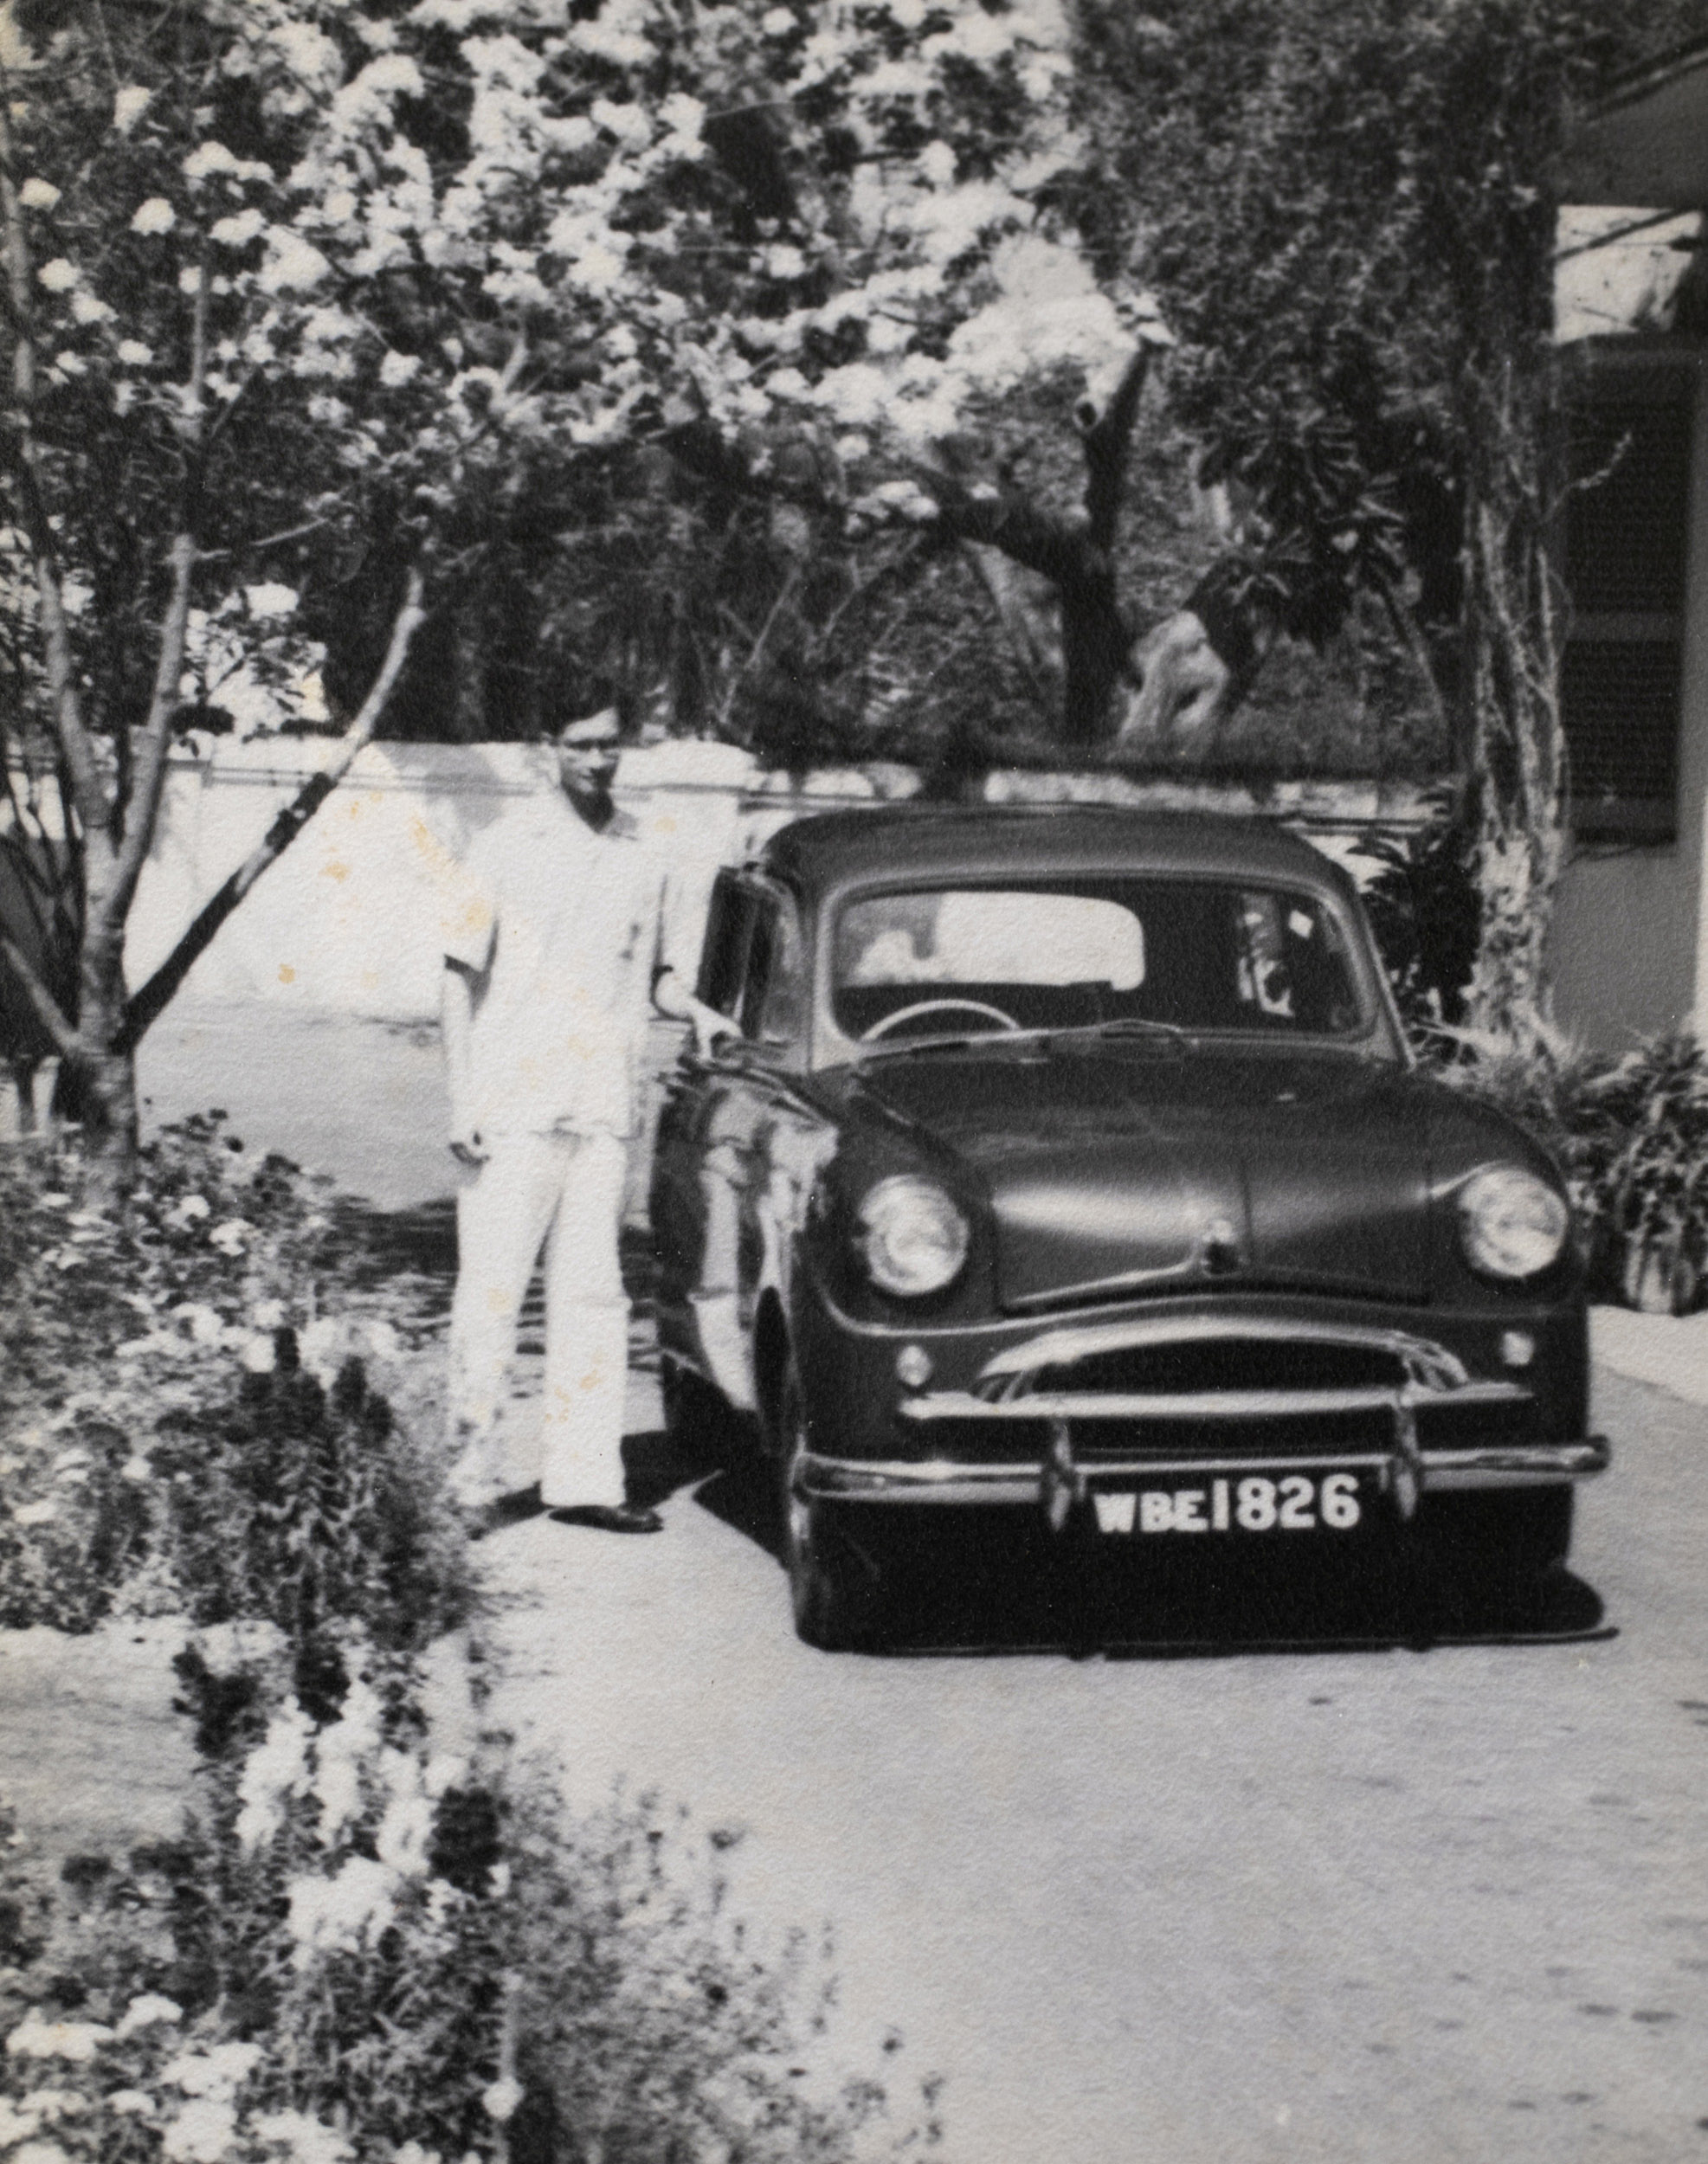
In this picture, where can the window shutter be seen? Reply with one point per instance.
(1625, 542)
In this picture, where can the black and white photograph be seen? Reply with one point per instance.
(853, 1130)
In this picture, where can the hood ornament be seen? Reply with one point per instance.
(1219, 1248)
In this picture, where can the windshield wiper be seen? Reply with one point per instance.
(1118, 1026)
(1125, 1025)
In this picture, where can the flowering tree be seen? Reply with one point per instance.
(303, 293)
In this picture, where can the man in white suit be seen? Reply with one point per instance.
(553, 936)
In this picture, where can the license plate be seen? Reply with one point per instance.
(1248, 1502)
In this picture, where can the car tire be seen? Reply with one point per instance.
(701, 1423)
(1499, 1544)
(831, 1592)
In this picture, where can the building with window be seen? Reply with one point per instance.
(1631, 933)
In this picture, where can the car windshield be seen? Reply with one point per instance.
(1192, 954)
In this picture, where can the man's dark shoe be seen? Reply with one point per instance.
(480, 1518)
(611, 1518)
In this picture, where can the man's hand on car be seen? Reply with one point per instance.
(467, 1146)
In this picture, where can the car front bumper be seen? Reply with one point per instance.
(1010, 1434)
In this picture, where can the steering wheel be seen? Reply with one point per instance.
(888, 1022)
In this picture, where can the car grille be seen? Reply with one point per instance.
(1268, 1391)
(1177, 1367)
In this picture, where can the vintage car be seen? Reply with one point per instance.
(1072, 1161)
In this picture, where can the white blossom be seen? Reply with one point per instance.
(238, 230)
(265, 601)
(42, 1513)
(628, 122)
(156, 216)
(396, 369)
(77, 2041)
(276, 1770)
(442, 1773)
(129, 106)
(134, 354)
(309, 2141)
(217, 2072)
(257, 1354)
(292, 264)
(202, 2132)
(500, 2099)
(339, 1914)
(59, 276)
(208, 159)
(38, 195)
(151, 2010)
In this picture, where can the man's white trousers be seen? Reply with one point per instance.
(565, 1191)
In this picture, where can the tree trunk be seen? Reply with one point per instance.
(98, 1081)
(1096, 640)
(1512, 628)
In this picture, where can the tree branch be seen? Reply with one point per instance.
(54, 1020)
(74, 740)
(144, 804)
(1106, 442)
(146, 1005)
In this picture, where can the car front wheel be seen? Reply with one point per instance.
(830, 1589)
(702, 1425)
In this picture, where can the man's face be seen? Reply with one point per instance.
(587, 757)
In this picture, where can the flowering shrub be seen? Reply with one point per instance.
(123, 1328)
(319, 1979)
(363, 1951)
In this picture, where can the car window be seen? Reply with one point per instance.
(986, 935)
(774, 1002)
(1203, 954)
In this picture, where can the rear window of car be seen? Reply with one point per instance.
(1202, 954)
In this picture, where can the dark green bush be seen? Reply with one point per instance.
(1630, 1132)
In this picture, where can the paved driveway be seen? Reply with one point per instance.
(1330, 1903)
(1326, 1903)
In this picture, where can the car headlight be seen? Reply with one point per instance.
(1512, 1225)
(912, 1234)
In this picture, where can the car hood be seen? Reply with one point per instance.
(1115, 1167)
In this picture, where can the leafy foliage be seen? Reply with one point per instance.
(1631, 1134)
(128, 1473)
(1347, 207)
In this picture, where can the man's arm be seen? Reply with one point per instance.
(671, 993)
(671, 997)
(456, 1019)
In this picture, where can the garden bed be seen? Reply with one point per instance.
(371, 1938)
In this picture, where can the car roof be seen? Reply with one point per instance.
(843, 850)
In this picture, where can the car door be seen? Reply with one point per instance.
(732, 1181)
(692, 1094)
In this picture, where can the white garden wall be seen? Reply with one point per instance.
(346, 921)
